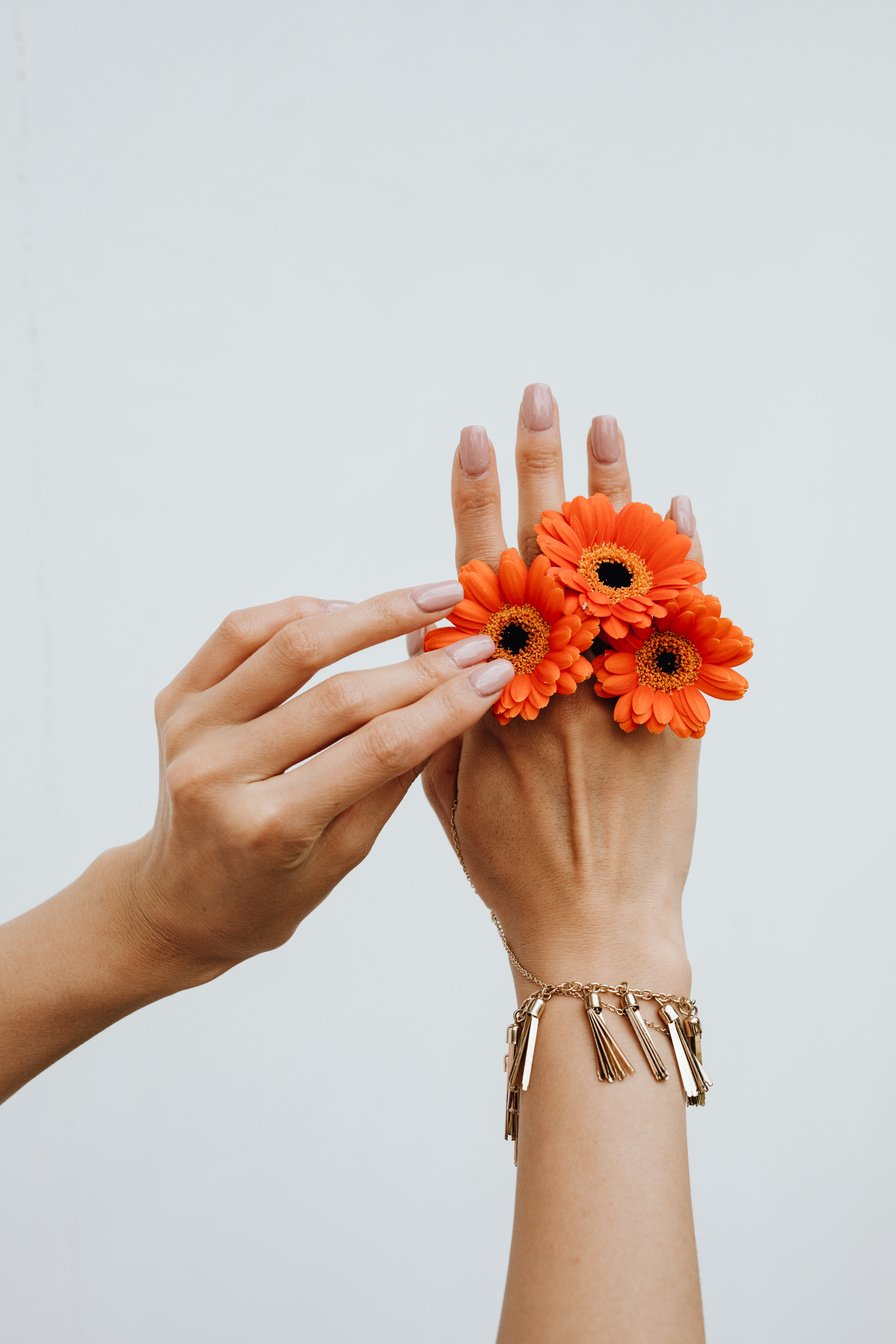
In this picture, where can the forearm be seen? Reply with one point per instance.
(71, 967)
(603, 1234)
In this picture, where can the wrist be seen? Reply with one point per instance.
(143, 951)
(644, 951)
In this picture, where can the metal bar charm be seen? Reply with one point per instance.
(694, 1079)
(612, 1065)
(694, 1032)
(524, 1052)
(512, 1108)
(642, 1034)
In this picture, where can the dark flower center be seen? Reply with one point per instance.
(513, 638)
(667, 661)
(614, 574)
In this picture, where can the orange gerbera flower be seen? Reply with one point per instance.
(535, 623)
(624, 566)
(662, 676)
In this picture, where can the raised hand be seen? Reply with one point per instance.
(577, 835)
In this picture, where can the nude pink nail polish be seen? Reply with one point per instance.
(489, 678)
(466, 652)
(605, 445)
(683, 515)
(538, 407)
(474, 452)
(437, 596)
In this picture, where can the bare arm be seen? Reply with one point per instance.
(578, 836)
(243, 846)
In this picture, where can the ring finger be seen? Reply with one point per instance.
(607, 463)
(539, 463)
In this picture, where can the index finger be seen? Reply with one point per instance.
(237, 638)
(294, 653)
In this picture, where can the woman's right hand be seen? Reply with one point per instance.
(243, 846)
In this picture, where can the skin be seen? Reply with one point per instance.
(243, 847)
(582, 852)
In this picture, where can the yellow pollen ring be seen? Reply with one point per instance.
(590, 560)
(648, 661)
(535, 627)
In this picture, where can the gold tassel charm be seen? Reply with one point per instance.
(512, 1108)
(520, 1072)
(694, 1079)
(521, 1037)
(612, 1065)
(694, 1032)
(642, 1033)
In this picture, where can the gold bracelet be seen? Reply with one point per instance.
(681, 1025)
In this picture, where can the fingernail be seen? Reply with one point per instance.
(437, 596)
(490, 678)
(415, 641)
(605, 445)
(538, 406)
(466, 652)
(474, 454)
(337, 606)
(683, 515)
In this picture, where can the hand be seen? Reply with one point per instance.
(577, 835)
(244, 846)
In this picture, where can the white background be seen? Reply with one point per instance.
(260, 262)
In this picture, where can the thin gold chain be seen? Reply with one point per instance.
(574, 988)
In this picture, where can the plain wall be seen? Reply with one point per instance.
(259, 264)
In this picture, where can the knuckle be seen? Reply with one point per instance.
(540, 458)
(390, 609)
(389, 744)
(236, 628)
(163, 706)
(266, 828)
(190, 779)
(300, 644)
(175, 729)
(483, 502)
(352, 845)
(343, 696)
(432, 669)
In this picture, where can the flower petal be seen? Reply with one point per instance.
(642, 699)
(442, 636)
(512, 576)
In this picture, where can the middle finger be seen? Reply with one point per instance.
(343, 703)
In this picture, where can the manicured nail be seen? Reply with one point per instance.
(489, 678)
(415, 641)
(466, 652)
(474, 454)
(337, 606)
(605, 445)
(438, 596)
(538, 406)
(683, 515)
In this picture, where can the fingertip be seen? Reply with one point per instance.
(474, 451)
(681, 511)
(538, 408)
(605, 440)
(415, 641)
(488, 679)
(608, 472)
